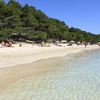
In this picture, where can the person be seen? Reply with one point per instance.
(10, 43)
(20, 45)
(32, 44)
(3, 44)
(0, 45)
(85, 44)
(99, 45)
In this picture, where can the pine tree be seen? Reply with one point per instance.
(2, 1)
(2, 12)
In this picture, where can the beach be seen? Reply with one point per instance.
(21, 62)
(28, 54)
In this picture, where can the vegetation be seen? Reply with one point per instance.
(15, 18)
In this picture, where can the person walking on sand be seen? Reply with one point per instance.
(20, 45)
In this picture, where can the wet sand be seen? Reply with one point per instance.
(12, 74)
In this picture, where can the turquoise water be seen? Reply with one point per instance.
(77, 79)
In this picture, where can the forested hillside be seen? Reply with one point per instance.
(15, 18)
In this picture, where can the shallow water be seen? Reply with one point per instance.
(77, 79)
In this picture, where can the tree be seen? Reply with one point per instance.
(27, 19)
(42, 35)
(2, 13)
(2, 1)
(13, 15)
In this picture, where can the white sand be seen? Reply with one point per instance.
(27, 54)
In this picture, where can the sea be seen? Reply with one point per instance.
(78, 78)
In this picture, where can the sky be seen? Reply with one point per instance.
(83, 14)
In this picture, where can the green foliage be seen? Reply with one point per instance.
(26, 19)
(2, 1)
(42, 35)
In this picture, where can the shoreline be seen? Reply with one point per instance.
(15, 56)
(37, 67)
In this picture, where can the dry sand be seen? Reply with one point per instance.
(16, 62)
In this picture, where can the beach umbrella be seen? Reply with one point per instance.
(72, 41)
(63, 41)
